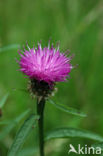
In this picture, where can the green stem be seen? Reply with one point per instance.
(40, 112)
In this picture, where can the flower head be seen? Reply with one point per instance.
(45, 64)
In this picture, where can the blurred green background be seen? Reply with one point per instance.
(78, 25)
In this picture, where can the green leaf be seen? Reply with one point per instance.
(11, 124)
(72, 132)
(6, 130)
(5, 122)
(21, 116)
(9, 47)
(67, 109)
(3, 100)
(22, 134)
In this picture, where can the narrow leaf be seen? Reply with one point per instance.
(3, 100)
(22, 135)
(5, 122)
(72, 132)
(11, 124)
(21, 116)
(68, 109)
(9, 47)
(6, 130)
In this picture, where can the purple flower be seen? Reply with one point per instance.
(45, 64)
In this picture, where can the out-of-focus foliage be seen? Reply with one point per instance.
(78, 25)
(9, 47)
(3, 101)
(9, 125)
(22, 134)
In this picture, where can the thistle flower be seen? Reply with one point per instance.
(45, 65)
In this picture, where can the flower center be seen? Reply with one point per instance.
(41, 88)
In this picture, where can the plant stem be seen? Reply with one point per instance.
(40, 112)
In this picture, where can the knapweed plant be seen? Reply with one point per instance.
(44, 67)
